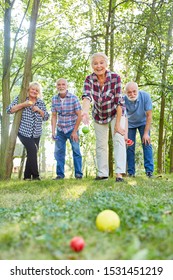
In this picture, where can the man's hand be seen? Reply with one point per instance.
(129, 142)
(146, 139)
(53, 136)
(74, 136)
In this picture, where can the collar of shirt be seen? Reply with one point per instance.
(107, 74)
(67, 95)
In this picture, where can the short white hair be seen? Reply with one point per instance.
(130, 84)
(99, 54)
(62, 80)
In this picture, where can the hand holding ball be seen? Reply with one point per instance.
(107, 220)
(129, 142)
(77, 243)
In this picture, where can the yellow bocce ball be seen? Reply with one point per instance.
(107, 220)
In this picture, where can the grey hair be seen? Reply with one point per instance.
(129, 84)
(37, 86)
(61, 79)
(99, 54)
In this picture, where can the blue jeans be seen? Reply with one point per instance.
(147, 152)
(60, 152)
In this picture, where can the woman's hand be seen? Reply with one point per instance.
(27, 103)
(85, 118)
(119, 130)
(37, 109)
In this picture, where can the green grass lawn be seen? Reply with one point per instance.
(38, 219)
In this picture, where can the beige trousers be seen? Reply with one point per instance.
(119, 146)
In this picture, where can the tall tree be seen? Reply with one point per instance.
(8, 159)
(146, 39)
(110, 30)
(171, 144)
(5, 120)
(167, 54)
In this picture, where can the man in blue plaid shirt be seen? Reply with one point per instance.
(66, 118)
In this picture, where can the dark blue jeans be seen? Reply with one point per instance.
(60, 151)
(147, 152)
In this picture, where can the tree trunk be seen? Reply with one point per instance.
(111, 160)
(107, 50)
(22, 163)
(43, 155)
(145, 44)
(26, 79)
(92, 24)
(162, 109)
(107, 36)
(171, 149)
(5, 120)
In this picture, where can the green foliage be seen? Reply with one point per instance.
(38, 219)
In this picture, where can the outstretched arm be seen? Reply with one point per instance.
(85, 111)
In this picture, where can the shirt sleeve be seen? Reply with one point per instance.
(77, 105)
(87, 89)
(148, 103)
(53, 109)
(14, 102)
(46, 114)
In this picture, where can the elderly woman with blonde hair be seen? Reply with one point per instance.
(30, 129)
(102, 88)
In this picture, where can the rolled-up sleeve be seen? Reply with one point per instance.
(122, 104)
(87, 89)
(15, 102)
(46, 114)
